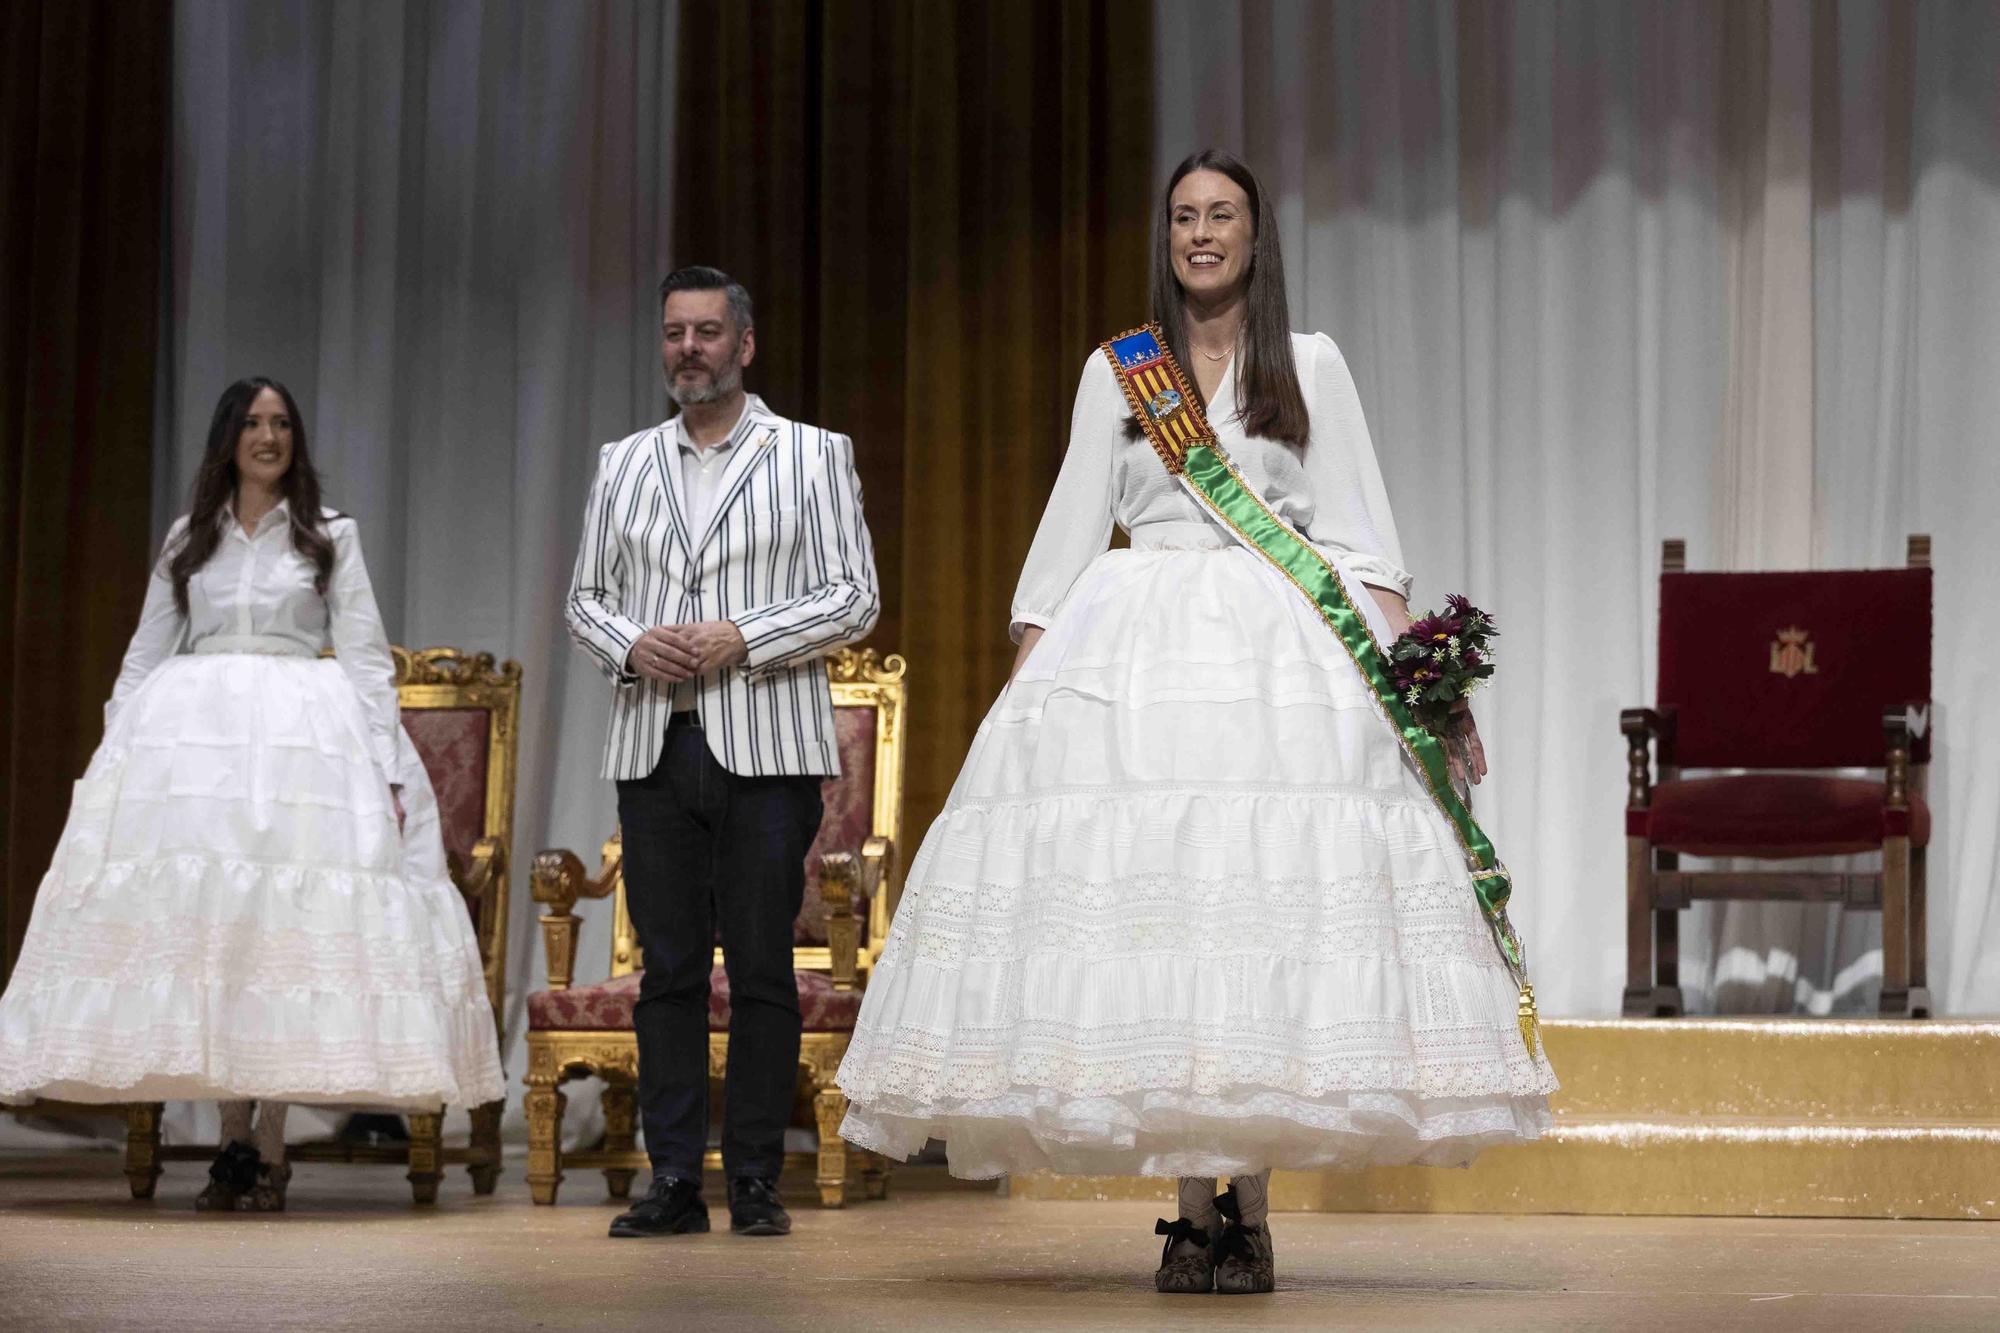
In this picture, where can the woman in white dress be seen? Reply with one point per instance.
(1188, 910)
(232, 912)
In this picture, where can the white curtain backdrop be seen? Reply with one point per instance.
(441, 225)
(1613, 273)
(1906, 291)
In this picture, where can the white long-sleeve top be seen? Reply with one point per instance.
(1333, 493)
(257, 586)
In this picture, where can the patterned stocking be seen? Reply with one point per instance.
(1198, 1203)
(1253, 1196)
(271, 1132)
(235, 1122)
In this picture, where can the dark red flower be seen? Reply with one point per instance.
(1434, 630)
(1461, 607)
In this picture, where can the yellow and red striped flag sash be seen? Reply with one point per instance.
(1168, 408)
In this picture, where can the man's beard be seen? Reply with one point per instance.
(717, 386)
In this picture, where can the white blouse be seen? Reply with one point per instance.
(257, 587)
(1333, 494)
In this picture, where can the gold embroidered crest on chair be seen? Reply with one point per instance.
(851, 887)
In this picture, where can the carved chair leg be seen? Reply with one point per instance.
(142, 1147)
(1638, 928)
(830, 1108)
(545, 1105)
(1920, 984)
(485, 1167)
(1667, 1001)
(426, 1154)
(875, 1175)
(1896, 926)
(620, 1135)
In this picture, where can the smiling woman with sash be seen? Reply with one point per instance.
(1204, 901)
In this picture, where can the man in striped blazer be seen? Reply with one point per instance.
(724, 554)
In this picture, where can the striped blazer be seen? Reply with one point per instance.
(786, 556)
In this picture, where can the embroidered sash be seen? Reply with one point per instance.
(1170, 412)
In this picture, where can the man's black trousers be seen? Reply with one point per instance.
(710, 853)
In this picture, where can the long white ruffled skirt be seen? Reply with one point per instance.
(1188, 911)
(231, 912)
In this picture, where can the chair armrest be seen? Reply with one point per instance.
(557, 881)
(1655, 722)
(1905, 734)
(475, 877)
(1641, 726)
(477, 881)
(837, 878)
(878, 864)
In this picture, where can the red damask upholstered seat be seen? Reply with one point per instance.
(607, 1006)
(1806, 672)
(604, 1007)
(1776, 816)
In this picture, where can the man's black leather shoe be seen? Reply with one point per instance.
(754, 1209)
(671, 1208)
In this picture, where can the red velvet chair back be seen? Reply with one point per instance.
(1791, 670)
(460, 711)
(454, 745)
(849, 818)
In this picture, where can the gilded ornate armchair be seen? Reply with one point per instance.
(460, 711)
(851, 886)
(1789, 671)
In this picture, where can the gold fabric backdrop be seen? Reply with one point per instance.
(940, 210)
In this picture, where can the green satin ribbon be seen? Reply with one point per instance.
(1214, 480)
(1170, 411)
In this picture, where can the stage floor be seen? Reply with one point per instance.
(77, 1253)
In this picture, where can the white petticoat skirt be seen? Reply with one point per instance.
(232, 913)
(1188, 911)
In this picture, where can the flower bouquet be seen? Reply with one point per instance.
(1441, 659)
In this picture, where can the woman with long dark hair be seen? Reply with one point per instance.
(233, 912)
(1190, 909)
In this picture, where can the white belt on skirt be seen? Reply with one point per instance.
(260, 645)
(1173, 535)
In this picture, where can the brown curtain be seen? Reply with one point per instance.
(940, 210)
(83, 116)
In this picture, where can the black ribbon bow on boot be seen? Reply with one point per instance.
(1176, 1231)
(1233, 1241)
(235, 1167)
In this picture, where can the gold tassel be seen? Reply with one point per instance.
(1530, 1024)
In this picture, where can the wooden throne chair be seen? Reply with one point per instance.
(1789, 676)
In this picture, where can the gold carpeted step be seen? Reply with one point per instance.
(1795, 1069)
(1715, 1117)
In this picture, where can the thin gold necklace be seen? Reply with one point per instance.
(1213, 356)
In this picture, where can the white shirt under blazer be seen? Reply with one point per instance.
(785, 554)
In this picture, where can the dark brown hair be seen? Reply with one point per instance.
(1268, 400)
(215, 487)
(702, 278)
